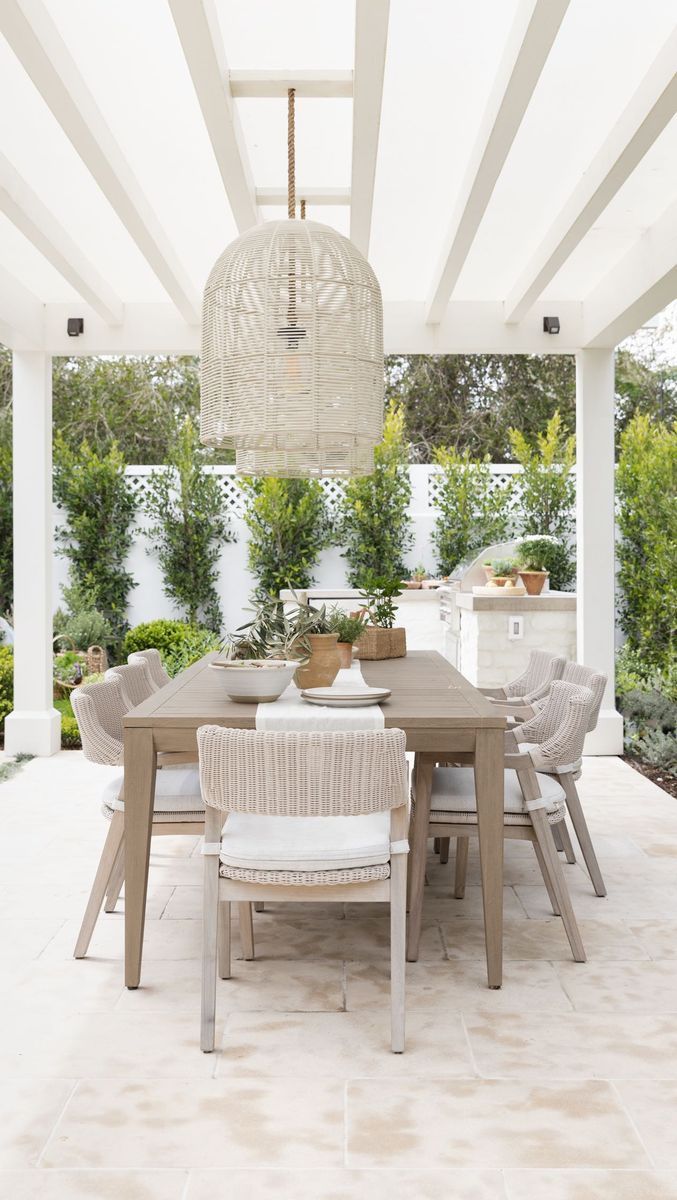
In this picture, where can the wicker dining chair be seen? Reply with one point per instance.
(308, 817)
(539, 673)
(135, 681)
(525, 707)
(179, 808)
(153, 660)
(535, 799)
(568, 769)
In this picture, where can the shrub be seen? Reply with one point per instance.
(554, 556)
(545, 493)
(634, 672)
(646, 488)
(656, 748)
(288, 527)
(70, 733)
(470, 514)
(179, 644)
(186, 507)
(96, 537)
(6, 682)
(85, 628)
(374, 525)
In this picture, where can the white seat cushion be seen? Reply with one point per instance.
(177, 790)
(305, 843)
(454, 791)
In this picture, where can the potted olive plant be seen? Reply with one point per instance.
(532, 555)
(303, 634)
(381, 638)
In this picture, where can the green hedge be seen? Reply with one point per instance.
(179, 643)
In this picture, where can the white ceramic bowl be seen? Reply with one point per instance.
(255, 680)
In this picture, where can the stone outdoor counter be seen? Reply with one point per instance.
(488, 638)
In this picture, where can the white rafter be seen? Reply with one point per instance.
(35, 40)
(275, 84)
(19, 202)
(197, 26)
(371, 39)
(22, 316)
(527, 48)
(645, 117)
(277, 197)
(640, 285)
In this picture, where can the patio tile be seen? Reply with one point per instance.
(591, 1185)
(634, 987)
(652, 1107)
(111, 1045)
(73, 986)
(626, 900)
(439, 900)
(273, 986)
(312, 938)
(422, 1184)
(544, 939)
(659, 938)
(93, 1185)
(200, 1123)
(341, 1045)
(488, 1123)
(573, 1046)
(460, 985)
(29, 1109)
(23, 940)
(162, 939)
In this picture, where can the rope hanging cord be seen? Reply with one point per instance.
(291, 154)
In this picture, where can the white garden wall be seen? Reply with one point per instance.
(148, 601)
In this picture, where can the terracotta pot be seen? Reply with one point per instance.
(324, 662)
(488, 571)
(411, 583)
(345, 650)
(376, 642)
(534, 581)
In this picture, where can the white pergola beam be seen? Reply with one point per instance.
(314, 85)
(645, 117)
(371, 40)
(640, 285)
(35, 40)
(197, 26)
(529, 43)
(22, 316)
(26, 211)
(277, 197)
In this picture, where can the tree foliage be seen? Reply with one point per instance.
(374, 526)
(189, 527)
(288, 528)
(469, 514)
(96, 535)
(546, 486)
(646, 486)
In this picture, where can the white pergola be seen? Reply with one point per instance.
(499, 162)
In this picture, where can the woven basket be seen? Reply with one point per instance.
(376, 642)
(97, 660)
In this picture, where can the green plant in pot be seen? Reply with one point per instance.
(304, 633)
(349, 628)
(504, 572)
(380, 637)
(533, 557)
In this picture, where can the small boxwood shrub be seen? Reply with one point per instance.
(179, 643)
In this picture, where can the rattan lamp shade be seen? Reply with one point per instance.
(292, 352)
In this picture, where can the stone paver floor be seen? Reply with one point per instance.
(562, 1086)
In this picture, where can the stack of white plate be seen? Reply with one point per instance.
(345, 695)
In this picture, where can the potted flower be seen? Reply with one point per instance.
(504, 572)
(380, 638)
(348, 627)
(532, 555)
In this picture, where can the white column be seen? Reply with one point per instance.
(35, 725)
(595, 534)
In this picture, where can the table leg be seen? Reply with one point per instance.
(139, 792)
(489, 790)
(418, 842)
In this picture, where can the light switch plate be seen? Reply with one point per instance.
(515, 628)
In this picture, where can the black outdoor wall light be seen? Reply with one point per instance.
(75, 326)
(551, 324)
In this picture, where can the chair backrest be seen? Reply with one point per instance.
(99, 709)
(588, 677)
(559, 727)
(153, 660)
(302, 774)
(541, 669)
(135, 681)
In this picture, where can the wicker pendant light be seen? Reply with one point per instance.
(292, 349)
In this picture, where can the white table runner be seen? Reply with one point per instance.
(291, 714)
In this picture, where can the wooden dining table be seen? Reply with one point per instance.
(441, 713)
